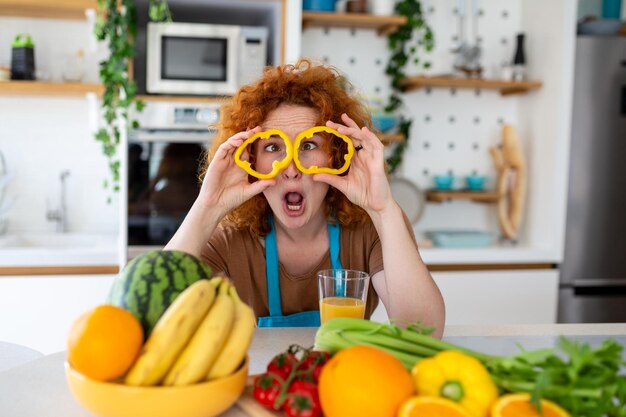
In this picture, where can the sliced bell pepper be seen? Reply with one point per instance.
(315, 169)
(277, 166)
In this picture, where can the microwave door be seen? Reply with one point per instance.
(192, 59)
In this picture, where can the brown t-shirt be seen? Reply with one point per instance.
(242, 257)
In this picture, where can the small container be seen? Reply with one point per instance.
(475, 182)
(382, 7)
(319, 5)
(444, 182)
(23, 58)
(5, 73)
(356, 6)
(384, 122)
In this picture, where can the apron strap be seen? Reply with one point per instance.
(271, 271)
(271, 264)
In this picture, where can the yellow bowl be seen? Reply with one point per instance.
(108, 399)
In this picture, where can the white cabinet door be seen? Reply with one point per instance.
(496, 297)
(37, 311)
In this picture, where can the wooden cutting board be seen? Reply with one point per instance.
(248, 404)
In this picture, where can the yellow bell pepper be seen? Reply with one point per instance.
(315, 169)
(457, 377)
(277, 166)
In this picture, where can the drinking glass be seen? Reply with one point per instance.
(342, 293)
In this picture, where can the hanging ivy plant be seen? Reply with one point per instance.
(117, 26)
(404, 45)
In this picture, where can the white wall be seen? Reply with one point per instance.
(40, 137)
(454, 129)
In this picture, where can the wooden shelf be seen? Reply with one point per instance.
(438, 196)
(188, 99)
(383, 25)
(47, 9)
(389, 138)
(45, 88)
(505, 87)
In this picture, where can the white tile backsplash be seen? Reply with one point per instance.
(41, 136)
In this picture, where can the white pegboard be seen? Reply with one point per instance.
(452, 128)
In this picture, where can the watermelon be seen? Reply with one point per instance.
(149, 283)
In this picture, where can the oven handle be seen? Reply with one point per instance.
(601, 287)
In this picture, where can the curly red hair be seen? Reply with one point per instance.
(320, 87)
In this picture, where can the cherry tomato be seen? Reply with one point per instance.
(267, 388)
(311, 366)
(302, 404)
(282, 364)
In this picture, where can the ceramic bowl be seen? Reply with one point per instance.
(443, 182)
(475, 182)
(110, 399)
(384, 122)
(319, 5)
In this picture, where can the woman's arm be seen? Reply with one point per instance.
(405, 285)
(225, 186)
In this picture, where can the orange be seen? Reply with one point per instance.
(430, 407)
(518, 405)
(104, 342)
(363, 381)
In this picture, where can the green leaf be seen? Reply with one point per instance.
(401, 53)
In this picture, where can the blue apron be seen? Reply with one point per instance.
(304, 318)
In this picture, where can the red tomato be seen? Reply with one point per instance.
(303, 387)
(267, 388)
(312, 364)
(282, 364)
(302, 404)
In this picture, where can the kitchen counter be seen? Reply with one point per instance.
(38, 388)
(58, 253)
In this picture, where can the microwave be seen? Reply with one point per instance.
(203, 59)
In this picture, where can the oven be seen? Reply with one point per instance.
(164, 158)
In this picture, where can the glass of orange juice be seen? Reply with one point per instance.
(343, 293)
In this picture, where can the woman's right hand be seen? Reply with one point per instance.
(225, 185)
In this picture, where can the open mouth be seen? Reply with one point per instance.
(294, 201)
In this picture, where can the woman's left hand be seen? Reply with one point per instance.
(366, 183)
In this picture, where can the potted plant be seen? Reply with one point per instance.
(405, 44)
(116, 25)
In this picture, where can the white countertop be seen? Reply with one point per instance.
(38, 388)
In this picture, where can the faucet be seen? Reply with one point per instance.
(59, 214)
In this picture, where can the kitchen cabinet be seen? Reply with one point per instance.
(495, 297)
(37, 311)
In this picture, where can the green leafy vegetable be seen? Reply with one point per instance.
(586, 381)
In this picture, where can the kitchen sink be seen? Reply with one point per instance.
(56, 240)
(32, 249)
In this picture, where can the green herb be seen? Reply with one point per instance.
(116, 25)
(585, 381)
(404, 45)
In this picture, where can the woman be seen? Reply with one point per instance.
(237, 224)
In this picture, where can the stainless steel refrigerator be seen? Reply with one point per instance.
(593, 273)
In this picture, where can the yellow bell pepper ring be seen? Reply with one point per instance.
(277, 166)
(315, 169)
(457, 377)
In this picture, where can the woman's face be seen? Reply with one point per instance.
(295, 198)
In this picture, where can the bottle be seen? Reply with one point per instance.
(519, 60)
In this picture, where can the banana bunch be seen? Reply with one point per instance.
(204, 334)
